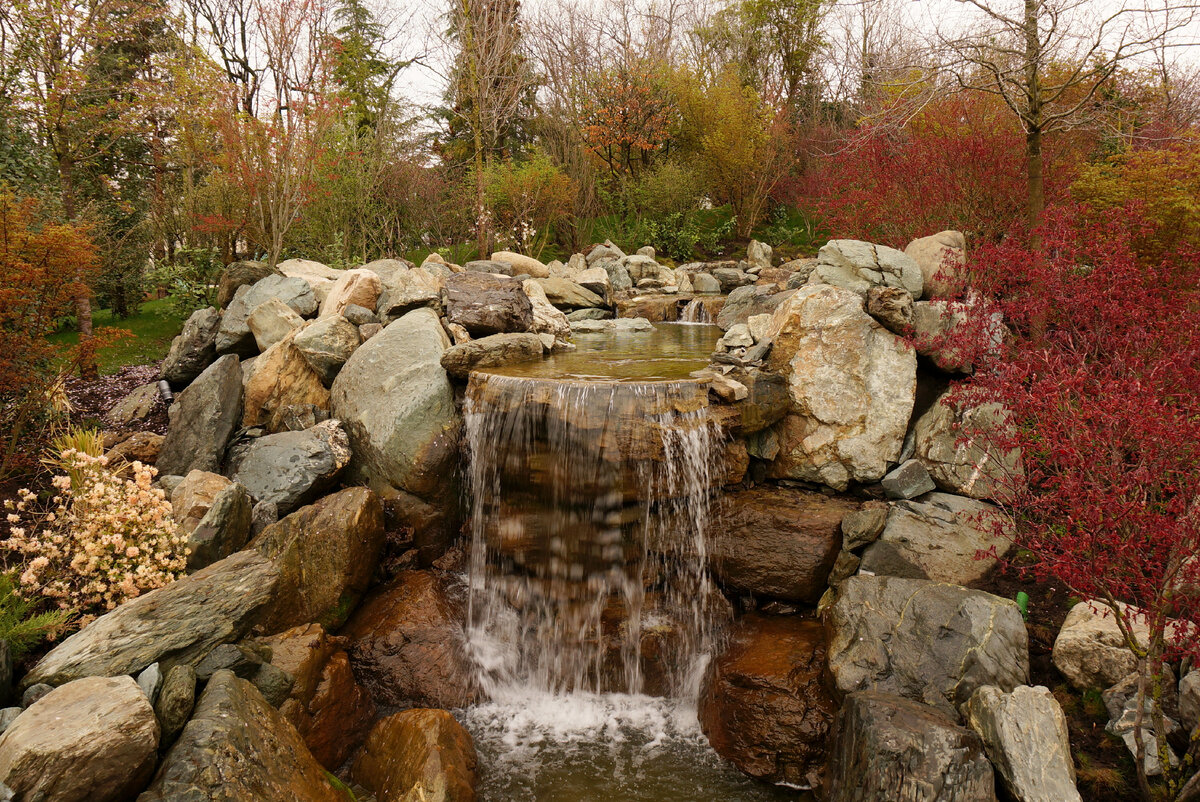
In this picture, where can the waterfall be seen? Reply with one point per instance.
(589, 504)
(695, 312)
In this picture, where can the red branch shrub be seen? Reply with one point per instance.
(1102, 377)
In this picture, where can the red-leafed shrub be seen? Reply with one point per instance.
(40, 264)
(1102, 377)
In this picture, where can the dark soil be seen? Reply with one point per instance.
(1105, 771)
(90, 400)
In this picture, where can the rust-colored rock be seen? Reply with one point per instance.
(418, 754)
(763, 703)
(138, 447)
(329, 709)
(407, 644)
(279, 378)
(359, 286)
(777, 542)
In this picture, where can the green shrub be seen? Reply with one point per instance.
(19, 625)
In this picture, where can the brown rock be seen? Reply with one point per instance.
(136, 406)
(418, 754)
(193, 497)
(138, 447)
(487, 304)
(777, 542)
(891, 306)
(279, 378)
(359, 286)
(406, 644)
(91, 740)
(329, 709)
(763, 704)
(326, 553)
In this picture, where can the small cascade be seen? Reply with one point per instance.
(696, 311)
(590, 501)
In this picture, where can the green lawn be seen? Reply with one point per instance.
(153, 328)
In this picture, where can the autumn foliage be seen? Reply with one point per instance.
(1102, 377)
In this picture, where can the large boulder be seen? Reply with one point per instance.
(202, 420)
(1090, 650)
(237, 747)
(240, 274)
(418, 754)
(91, 740)
(177, 624)
(547, 319)
(1025, 735)
(397, 403)
(490, 352)
(134, 407)
(938, 537)
(777, 542)
(566, 294)
(386, 269)
(928, 641)
(360, 287)
(952, 443)
(326, 344)
(851, 383)
(292, 468)
(484, 304)
(280, 381)
(407, 644)
(407, 290)
(940, 258)
(327, 706)
(326, 554)
(195, 494)
(271, 321)
(885, 748)
(522, 264)
(194, 349)
(309, 270)
(763, 702)
(745, 302)
(223, 530)
(859, 266)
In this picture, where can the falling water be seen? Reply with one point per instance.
(696, 311)
(589, 507)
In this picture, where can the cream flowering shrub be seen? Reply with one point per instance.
(106, 538)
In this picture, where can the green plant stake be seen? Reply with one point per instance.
(1023, 603)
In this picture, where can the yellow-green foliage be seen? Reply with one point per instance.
(1165, 181)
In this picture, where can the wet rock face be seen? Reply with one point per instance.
(486, 304)
(928, 641)
(418, 754)
(407, 644)
(851, 384)
(777, 542)
(885, 748)
(179, 623)
(763, 704)
(203, 418)
(92, 740)
(237, 747)
(326, 554)
(327, 706)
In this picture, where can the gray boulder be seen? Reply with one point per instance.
(176, 624)
(704, 283)
(292, 468)
(91, 740)
(175, 701)
(940, 258)
(485, 304)
(927, 641)
(859, 266)
(407, 290)
(326, 344)
(758, 254)
(234, 334)
(359, 315)
(1090, 650)
(730, 278)
(489, 266)
(223, 530)
(564, 293)
(618, 276)
(202, 419)
(240, 274)
(194, 349)
(885, 748)
(745, 302)
(397, 404)
(134, 407)
(908, 481)
(238, 747)
(939, 537)
(952, 443)
(490, 352)
(271, 321)
(1025, 735)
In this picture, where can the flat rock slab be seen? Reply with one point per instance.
(238, 748)
(929, 641)
(91, 740)
(177, 624)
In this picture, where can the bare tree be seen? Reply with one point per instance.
(1048, 59)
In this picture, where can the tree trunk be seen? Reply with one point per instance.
(88, 368)
(481, 221)
(1036, 197)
